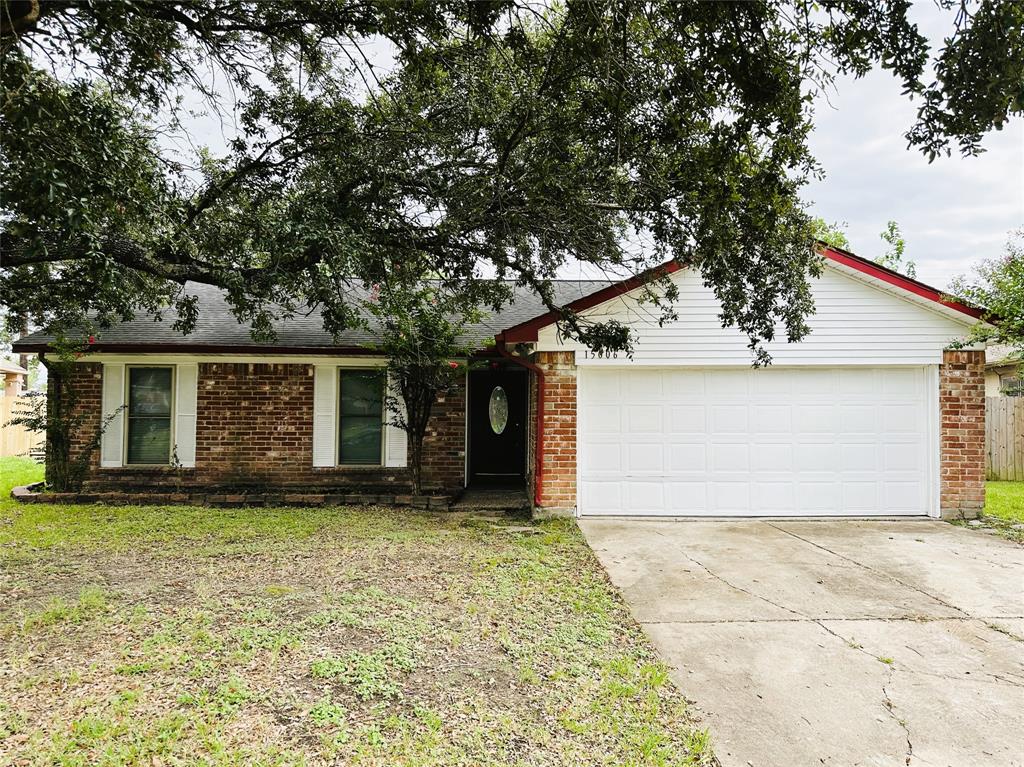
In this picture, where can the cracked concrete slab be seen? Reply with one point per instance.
(834, 642)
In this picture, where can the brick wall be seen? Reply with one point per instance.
(962, 434)
(558, 487)
(87, 382)
(254, 428)
(444, 446)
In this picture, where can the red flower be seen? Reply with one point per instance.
(453, 365)
(92, 339)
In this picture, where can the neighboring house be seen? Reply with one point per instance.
(1004, 372)
(15, 379)
(869, 415)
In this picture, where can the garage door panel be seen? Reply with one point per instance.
(602, 419)
(685, 457)
(858, 419)
(773, 498)
(602, 497)
(645, 458)
(728, 419)
(772, 419)
(602, 457)
(730, 498)
(903, 418)
(644, 419)
(794, 441)
(648, 497)
(686, 497)
(815, 419)
(685, 384)
(772, 457)
(687, 419)
(730, 457)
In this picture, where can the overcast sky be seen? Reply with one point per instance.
(953, 212)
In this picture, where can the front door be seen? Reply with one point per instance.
(497, 425)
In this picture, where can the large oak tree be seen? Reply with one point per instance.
(456, 140)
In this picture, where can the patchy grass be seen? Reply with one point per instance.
(172, 635)
(1004, 511)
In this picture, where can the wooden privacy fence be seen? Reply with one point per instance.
(15, 440)
(1004, 438)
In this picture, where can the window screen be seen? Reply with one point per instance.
(149, 415)
(361, 415)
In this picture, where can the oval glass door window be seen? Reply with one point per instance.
(497, 410)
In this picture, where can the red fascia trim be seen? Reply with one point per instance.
(527, 331)
(538, 449)
(880, 272)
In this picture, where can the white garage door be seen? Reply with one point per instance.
(744, 442)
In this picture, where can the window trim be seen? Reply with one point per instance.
(380, 372)
(172, 416)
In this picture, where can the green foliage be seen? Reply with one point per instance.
(998, 286)
(423, 338)
(833, 234)
(56, 414)
(505, 139)
(893, 256)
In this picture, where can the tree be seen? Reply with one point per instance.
(506, 138)
(65, 424)
(833, 234)
(423, 338)
(893, 256)
(998, 286)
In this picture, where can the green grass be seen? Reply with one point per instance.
(174, 635)
(1004, 509)
(1005, 500)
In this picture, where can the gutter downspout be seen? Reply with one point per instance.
(538, 450)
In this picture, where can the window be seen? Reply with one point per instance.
(361, 416)
(1011, 386)
(149, 415)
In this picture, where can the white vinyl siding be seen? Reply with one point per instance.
(857, 441)
(112, 441)
(855, 323)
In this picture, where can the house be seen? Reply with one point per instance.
(871, 415)
(1003, 372)
(14, 377)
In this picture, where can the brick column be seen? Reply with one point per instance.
(558, 485)
(962, 433)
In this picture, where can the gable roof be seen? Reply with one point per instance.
(218, 331)
(527, 331)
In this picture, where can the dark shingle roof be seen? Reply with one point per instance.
(217, 327)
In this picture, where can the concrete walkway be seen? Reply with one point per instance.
(840, 643)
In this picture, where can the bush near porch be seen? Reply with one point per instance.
(167, 635)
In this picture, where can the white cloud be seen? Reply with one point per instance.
(953, 212)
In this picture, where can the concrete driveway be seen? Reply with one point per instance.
(833, 642)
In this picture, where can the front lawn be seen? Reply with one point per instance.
(1004, 509)
(1005, 500)
(184, 635)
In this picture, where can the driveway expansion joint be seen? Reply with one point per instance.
(872, 570)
